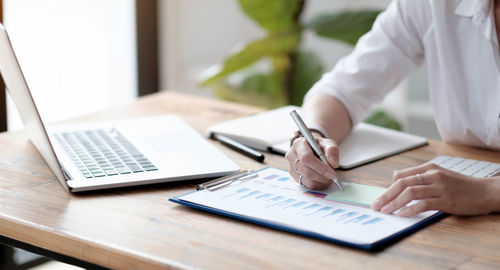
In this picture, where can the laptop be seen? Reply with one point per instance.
(109, 154)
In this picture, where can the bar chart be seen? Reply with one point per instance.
(275, 198)
(302, 208)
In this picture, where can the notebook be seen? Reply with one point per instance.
(274, 200)
(271, 131)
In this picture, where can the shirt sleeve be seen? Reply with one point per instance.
(381, 59)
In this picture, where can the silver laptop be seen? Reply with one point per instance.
(109, 154)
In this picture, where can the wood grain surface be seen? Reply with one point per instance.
(137, 228)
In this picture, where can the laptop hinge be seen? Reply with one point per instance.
(66, 175)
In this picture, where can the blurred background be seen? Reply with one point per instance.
(82, 56)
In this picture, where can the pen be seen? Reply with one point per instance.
(238, 147)
(309, 138)
(227, 180)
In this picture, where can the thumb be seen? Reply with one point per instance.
(331, 151)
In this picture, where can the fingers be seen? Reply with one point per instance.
(307, 157)
(291, 156)
(421, 169)
(311, 178)
(408, 195)
(331, 151)
(419, 207)
(394, 191)
(407, 188)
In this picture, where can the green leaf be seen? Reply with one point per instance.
(244, 56)
(272, 15)
(308, 70)
(347, 26)
(382, 119)
(264, 90)
(264, 84)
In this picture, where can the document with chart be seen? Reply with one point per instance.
(274, 199)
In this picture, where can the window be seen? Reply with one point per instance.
(78, 56)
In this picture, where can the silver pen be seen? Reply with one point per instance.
(310, 139)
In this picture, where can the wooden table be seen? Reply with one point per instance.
(137, 228)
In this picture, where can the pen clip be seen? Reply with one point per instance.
(227, 180)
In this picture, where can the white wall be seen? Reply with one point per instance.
(78, 56)
(197, 34)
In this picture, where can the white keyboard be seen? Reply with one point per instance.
(470, 167)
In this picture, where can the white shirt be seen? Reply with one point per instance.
(458, 41)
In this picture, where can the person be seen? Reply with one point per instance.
(459, 42)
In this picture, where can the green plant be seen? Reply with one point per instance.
(293, 71)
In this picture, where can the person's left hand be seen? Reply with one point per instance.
(441, 189)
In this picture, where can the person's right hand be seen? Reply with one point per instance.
(315, 174)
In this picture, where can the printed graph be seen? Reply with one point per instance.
(276, 198)
(302, 208)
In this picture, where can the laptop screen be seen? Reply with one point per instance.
(18, 89)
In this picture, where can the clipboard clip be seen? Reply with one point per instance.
(227, 180)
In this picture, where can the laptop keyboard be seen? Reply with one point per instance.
(98, 153)
(469, 167)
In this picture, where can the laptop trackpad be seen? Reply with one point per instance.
(169, 142)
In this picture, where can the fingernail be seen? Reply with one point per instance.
(333, 160)
(385, 209)
(394, 174)
(376, 204)
(403, 213)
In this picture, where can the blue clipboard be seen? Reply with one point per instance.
(375, 246)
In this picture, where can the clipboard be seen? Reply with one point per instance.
(240, 182)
